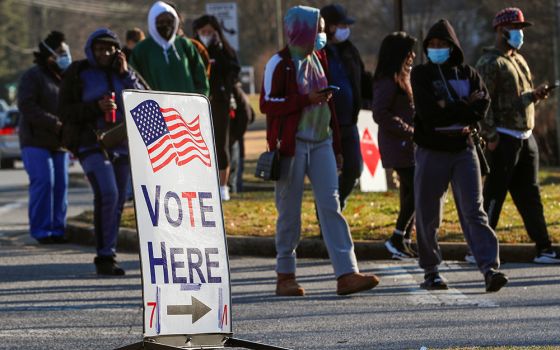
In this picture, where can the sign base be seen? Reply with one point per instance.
(149, 344)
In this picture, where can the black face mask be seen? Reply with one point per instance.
(165, 31)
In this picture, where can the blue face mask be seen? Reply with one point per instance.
(515, 38)
(439, 56)
(63, 61)
(320, 41)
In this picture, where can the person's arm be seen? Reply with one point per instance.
(479, 101)
(384, 93)
(29, 91)
(198, 70)
(273, 100)
(433, 112)
(366, 85)
(488, 71)
(131, 80)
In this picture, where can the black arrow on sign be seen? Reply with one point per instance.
(197, 309)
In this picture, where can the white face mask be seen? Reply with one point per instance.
(341, 34)
(206, 39)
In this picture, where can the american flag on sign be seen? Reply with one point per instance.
(167, 137)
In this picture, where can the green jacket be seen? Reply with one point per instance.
(510, 84)
(186, 74)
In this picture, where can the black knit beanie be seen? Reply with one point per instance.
(53, 40)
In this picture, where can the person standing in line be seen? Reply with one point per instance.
(224, 73)
(508, 129)
(392, 111)
(243, 116)
(302, 125)
(45, 161)
(346, 70)
(449, 96)
(166, 61)
(197, 44)
(133, 37)
(86, 106)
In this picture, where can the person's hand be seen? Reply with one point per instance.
(317, 97)
(476, 95)
(106, 104)
(123, 65)
(541, 92)
(466, 130)
(339, 161)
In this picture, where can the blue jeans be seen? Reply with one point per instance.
(108, 179)
(48, 187)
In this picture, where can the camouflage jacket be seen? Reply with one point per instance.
(510, 85)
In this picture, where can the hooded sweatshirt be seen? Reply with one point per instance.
(301, 24)
(289, 77)
(169, 65)
(83, 85)
(441, 95)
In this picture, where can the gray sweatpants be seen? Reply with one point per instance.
(434, 171)
(317, 161)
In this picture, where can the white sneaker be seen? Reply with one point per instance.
(547, 256)
(469, 258)
(224, 193)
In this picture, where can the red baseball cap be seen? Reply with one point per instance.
(510, 15)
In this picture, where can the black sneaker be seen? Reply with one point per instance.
(548, 256)
(60, 240)
(45, 240)
(107, 265)
(433, 281)
(395, 245)
(495, 280)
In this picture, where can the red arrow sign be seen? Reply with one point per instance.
(370, 152)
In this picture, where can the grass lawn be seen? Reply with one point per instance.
(371, 216)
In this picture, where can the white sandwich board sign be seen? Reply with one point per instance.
(183, 252)
(373, 177)
(226, 13)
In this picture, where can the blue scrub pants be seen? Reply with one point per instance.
(48, 188)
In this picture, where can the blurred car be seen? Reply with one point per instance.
(9, 140)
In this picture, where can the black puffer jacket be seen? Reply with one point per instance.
(431, 92)
(39, 125)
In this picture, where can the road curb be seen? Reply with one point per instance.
(82, 233)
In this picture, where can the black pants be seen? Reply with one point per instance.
(352, 162)
(405, 220)
(514, 167)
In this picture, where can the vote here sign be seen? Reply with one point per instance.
(185, 271)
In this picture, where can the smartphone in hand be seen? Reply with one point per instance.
(116, 64)
(330, 88)
(553, 86)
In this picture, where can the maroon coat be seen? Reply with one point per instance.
(280, 100)
(393, 112)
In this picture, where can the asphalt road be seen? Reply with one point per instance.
(50, 298)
